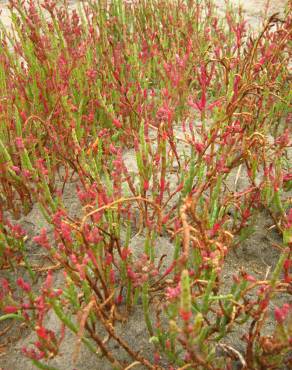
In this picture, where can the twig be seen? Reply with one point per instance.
(237, 176)
(227, 348)
(132, 365)
(187, 366)
(110, 329)
(85, 314)
(114, 203)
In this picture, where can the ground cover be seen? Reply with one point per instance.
(145, 187)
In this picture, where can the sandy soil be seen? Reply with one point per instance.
(256, 255)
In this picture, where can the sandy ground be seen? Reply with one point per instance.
(256, 255)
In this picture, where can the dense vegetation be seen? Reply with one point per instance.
(200, 102)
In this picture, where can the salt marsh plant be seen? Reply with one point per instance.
(197, 99)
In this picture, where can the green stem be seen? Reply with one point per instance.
(145, 301)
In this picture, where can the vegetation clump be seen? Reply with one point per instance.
(173, 123)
